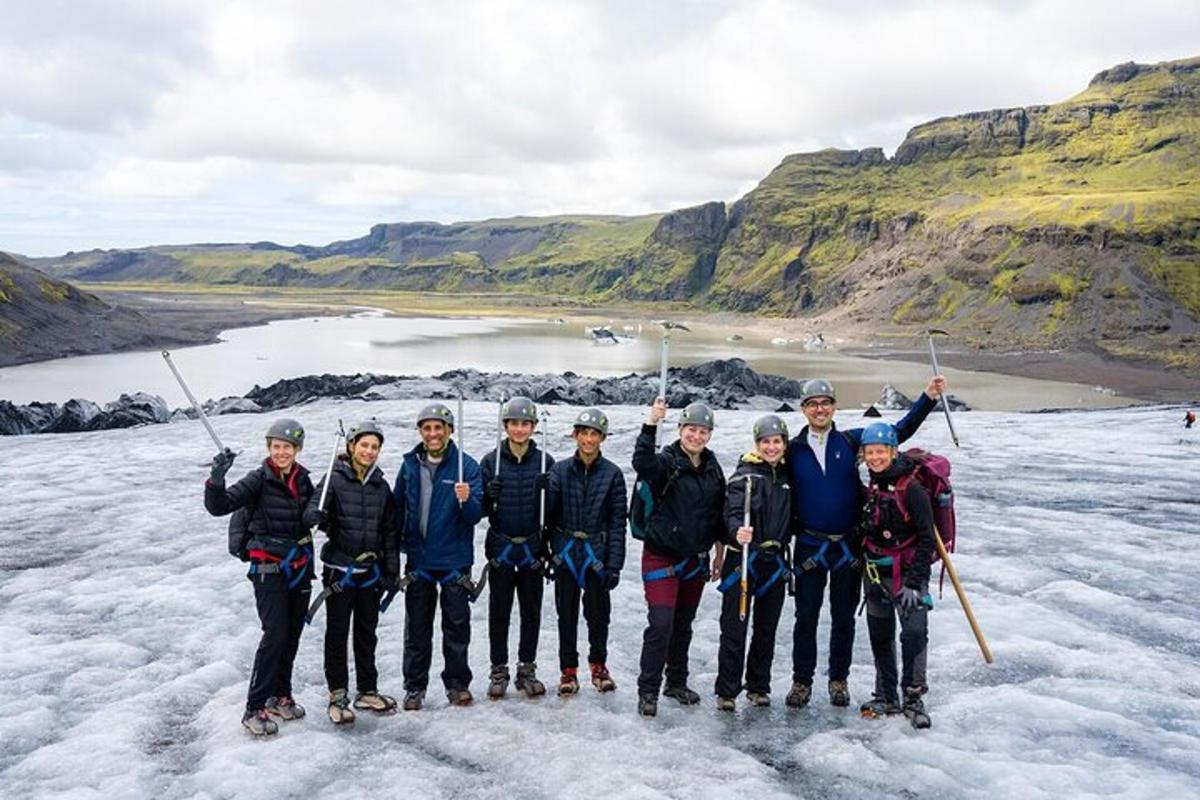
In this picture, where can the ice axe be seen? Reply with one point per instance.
(945, 400)
(962, 597)
(166, 354)
(337, 446)
(744, 601)
(458, 438)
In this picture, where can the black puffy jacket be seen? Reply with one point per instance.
(884, 527)
(689, 499)
(770, 501)
(591, 500)
(516, 513)
(275, 508)
(360, 518)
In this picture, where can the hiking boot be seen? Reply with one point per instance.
(726, 703)
(259, 723)
(285, 708)
(647, 704)
(879, 707)
(339, 707)
(374, 701)
(459, 697)
(839, 694)
(799, 696)
(759, 699)
(527, 681)
(683, 694)
(914, 709)
(414, 699)
(602, 680)
(568, 682)
(498, 681)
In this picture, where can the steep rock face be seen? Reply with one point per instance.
(679, 257)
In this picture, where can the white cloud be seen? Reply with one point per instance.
(294, 116)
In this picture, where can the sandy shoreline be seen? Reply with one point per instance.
(204, 314)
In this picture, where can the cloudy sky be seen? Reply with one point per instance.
(131, 123)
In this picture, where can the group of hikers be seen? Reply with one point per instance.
(794, 517)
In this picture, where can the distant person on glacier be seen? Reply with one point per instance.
(898, 539)
(437, 515)
(361, 559)
(827, 498)
(1189, 419)
(269, 504)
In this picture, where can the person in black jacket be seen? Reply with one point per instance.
(273, 497)
(898, 543)
(514, 488)
(685, 523)
(586, 506)
(763, 474)
(362, 559)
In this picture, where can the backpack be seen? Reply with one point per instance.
(641, 505)
(239, 532)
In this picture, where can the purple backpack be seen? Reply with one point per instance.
(933, 473)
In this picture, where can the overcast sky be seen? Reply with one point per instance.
(136, 123)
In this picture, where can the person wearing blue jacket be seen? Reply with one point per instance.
(514, 487)
(586, 513)
(827, 500)
(437, 513)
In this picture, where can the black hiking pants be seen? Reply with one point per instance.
(360, 608)
(421, 601)
(281, 613)
(762, 617)
(597, 610)
(914, 644)
(527, 585)
(844, 593)
(671, 605)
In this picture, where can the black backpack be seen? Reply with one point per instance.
(641, 505)
(239, 532)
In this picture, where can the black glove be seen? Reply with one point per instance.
(542, 482)
(611, 580)
(909, 600)
(322, 518)
(391, 583)
(494, 487)
(221, 463)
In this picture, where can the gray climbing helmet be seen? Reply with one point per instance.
(817, 387)
(286, 430)
(593, 418)
(697, 414)
(521, 408)
(437, 411)
(770, 425)
(358, 429)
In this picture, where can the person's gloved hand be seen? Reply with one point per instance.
(322, 518)
(542, 482)
(493, 489)
(221, 463)
(391, 583)
(611, 580)
(909, 600)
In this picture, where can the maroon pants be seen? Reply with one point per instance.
(672, 603)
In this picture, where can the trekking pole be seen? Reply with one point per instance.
(458, 436)
(662, 378)
(744, 601)
(936, 371)
(166, 354)
(962, 597)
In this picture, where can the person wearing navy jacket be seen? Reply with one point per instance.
(513, 490)
(827, 499)
(437, 515)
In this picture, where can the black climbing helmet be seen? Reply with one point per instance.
(436, 411)
(286, 430)
(697, 414)
(593, 418)
(769, 425)
(521, 408)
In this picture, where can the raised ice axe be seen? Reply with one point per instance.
(166, 354)
(945, 400)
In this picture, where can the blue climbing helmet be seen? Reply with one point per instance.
(880, 433)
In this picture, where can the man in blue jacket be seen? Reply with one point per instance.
(437, 513)
(827, 500)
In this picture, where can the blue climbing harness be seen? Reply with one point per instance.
(347, 581)
(512, 543)
(294, 565)
(780, 573)
(563, 558)
(820, 559)
(680, 569)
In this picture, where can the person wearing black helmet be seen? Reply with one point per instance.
(513, 489)
(897, 520)
(271, 500)
(827, 497)
(686, 522)
(437, 516)
(361, 558)
(585, 512)
(760, 481)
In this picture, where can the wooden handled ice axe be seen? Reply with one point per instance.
(744, 602)
(945, 400)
